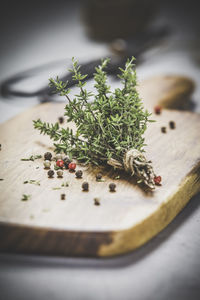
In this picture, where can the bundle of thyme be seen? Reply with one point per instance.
(110, 128)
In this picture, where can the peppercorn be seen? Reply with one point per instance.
(62, 196)
(67, 161)
(60, 163)
(61, 120)
(85, 186)
(50, 173)
(163, 129)
(47, 164)
(79, 174)
(96, 201)
(72, 166)
(157, 110)
(112, 187)
(59, 173)
(98, 176)
(47, 156)
(157, 180)
(58, 156)
(172, 124)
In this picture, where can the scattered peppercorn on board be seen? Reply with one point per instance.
(97, 222)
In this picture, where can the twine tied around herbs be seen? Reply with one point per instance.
(135, 162)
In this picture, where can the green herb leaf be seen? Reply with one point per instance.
(25, 197)
(32, 181)
(32, 158)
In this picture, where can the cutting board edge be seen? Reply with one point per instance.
(127, 240)
(22, 113)
(31, 240)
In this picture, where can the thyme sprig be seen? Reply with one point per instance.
(107, 127)
(32, 158)
(32, 181)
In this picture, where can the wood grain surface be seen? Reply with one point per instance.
(124, 220)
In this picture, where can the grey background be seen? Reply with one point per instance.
(168, 267)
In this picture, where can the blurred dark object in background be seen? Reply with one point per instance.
(109, 19)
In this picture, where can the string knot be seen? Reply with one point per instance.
(135, 162)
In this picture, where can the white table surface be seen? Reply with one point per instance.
(168, 267)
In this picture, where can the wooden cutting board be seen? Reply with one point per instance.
(126, 219)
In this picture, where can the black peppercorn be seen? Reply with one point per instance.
(79, 174)
(163, 129)
(62, 196)
(112, 187)
(85, 186)
(61, 120)
(50, 173)
(47, 156)
(67, 161)
(172, 124)
(98, 176)
(96, 201)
